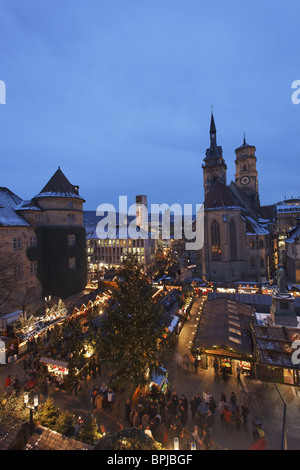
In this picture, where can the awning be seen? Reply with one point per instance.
(173, 324)
(158, 378)
(54, 362)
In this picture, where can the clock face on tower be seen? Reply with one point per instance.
(245, 180)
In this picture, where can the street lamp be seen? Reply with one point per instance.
(176, 443)
(31, 408)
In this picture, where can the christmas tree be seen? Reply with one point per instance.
(130, 333)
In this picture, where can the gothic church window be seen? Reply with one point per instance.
(232, 234)
(215, 240)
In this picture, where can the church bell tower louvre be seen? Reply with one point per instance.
(246, 173)
(214, 167)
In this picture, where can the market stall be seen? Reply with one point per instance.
(55, 367)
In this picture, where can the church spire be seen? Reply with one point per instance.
(212, 129)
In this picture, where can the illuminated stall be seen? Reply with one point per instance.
(55, 367)
(223, 340)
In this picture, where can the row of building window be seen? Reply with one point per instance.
(18, 269)
(138, 242)
(17, 242)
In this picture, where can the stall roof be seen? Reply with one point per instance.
(260, 302)
(46, 439)
(226, 323)
(54, 362)
(274, 344)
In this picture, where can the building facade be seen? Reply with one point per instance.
(42, 245)
(239, 232)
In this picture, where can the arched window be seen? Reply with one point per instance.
(252, 244)
(215, 240)
(245, 167)
(252, 262)
(232, 235)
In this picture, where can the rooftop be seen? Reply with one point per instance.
(59, 186)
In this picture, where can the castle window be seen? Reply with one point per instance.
(18, 271)
(71, 218)
(71, 240)
(252, 244)
(17, 244)
(245, 168)
(33, 241)
(72, 263)
(252, 262)
(232, 233)
(261, 244)
(33, 267)
(215, 240)
(262, 263)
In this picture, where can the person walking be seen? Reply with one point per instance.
(110, 398)
(212, 405)
(193, 406)
(98, 401)
(206, 396)
(7, 381)
(127, 410)
(16, 384)
(76, 385)
(226, 413)
(209, 422)
(232, 401)
(196, 365)
(238, 371)
(245, 412)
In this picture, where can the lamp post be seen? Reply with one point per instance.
(31, 408)
(176, 443)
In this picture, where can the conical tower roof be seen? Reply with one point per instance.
(60, 186)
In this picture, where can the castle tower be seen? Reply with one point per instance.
(214, 167)
(61, 239)
(246, 173)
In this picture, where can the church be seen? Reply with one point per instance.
(239, 233)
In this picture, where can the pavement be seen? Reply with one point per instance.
(262, 398)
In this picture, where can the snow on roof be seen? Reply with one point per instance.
(28, 205)
(254, 227)
(8, 204)
(60, 186)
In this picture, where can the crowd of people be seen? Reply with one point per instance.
(165, 417)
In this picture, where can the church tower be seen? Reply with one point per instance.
(246, 173)
(214, 167)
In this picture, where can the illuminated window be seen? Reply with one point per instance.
(215, 240)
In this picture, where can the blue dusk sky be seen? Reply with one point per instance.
(118, 93)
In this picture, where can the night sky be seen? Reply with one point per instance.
(118, 93)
